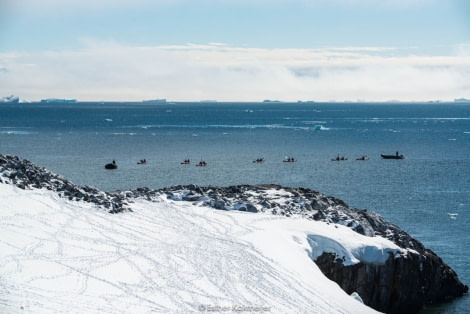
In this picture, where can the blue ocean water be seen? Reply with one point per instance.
(417, 193)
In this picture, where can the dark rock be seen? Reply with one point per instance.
(251, 208)
(191, 196)
(318, 215)
(219, 204)
(192, 187)
(404, 284)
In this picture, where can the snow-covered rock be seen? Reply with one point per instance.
(295, 228)
(63, 256)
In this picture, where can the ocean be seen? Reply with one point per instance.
(417, 193)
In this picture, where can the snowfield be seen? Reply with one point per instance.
(167, 256)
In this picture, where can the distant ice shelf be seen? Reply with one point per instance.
(58, 100)
(155, 101)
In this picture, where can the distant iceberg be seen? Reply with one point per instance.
(59, 100)
(155, 101)
(321, 128)
(9, 99)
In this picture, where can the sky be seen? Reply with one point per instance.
(235, 50)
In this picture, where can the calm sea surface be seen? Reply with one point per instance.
(417, 193)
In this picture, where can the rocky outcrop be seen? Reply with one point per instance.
(405, 283)
(27, 175)
(400, 285)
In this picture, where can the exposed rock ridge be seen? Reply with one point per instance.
(404, 284)
(26, 175)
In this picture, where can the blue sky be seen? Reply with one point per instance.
(233, 50)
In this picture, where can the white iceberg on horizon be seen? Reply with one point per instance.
(9, 99)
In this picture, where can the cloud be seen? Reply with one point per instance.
(110, 71)
(462, 50)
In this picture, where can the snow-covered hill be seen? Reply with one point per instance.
(58, 255)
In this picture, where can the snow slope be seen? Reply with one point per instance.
(167, 256)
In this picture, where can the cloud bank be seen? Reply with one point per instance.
(111, 71)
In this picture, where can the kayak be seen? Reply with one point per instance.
(392, 156)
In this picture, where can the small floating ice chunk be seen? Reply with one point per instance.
(452, 215)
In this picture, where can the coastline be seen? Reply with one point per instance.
(273, 200)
